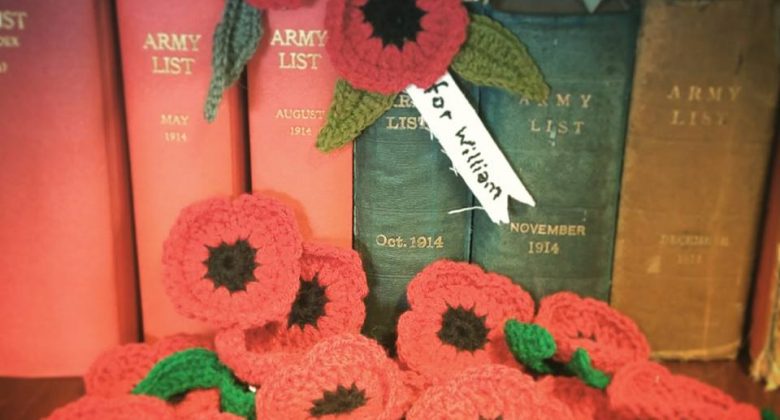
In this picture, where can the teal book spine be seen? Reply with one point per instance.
(404, 193)
(568, 151)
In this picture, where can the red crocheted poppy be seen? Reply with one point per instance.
(117, 371)
(585, 403)
(611, 338)
(276, 4)
(648, 390)
(201, 404)
(456, 319)
(126, 407)
(384, 46)
(346, 377)
(233, 262)
(488, 392)
(329, 302)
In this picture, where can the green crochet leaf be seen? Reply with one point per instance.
(580, 365)
(351, 111)
(531, 345)
(235, 40)
(768, 414)
(196, 369)
(493, 56)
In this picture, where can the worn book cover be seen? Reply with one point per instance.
(567, 149)
(405, 195)
(700, 130)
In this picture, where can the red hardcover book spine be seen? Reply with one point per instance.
(764, 329)
(66, 263)
(291, 84)
(176, 157)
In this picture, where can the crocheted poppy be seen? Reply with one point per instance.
(610, 338)
(488, 392)
(456, 318)
(585, 402)
(384, 46)
(329, 302)
(648, 390)
(233, 262)
(117, 371)
(201, 404)
(275, 4)
(346, 377)
(126, 407)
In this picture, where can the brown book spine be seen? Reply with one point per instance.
(698, 145)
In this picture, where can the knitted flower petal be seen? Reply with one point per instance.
(488, 392)
(456, 318)
(201, 404)
(329, 302)
(252, 354)
(126, 407)
(117, 371)
(585, 402)
(610, 338)
(233, 262)
(276, 4)
(346, 377)
(384, 46)
(648, 390)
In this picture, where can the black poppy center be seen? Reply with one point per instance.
(342, 400)
(309, 304)
(231, 265)
(463, 329)
(394, 21)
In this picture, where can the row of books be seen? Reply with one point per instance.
(648, 164)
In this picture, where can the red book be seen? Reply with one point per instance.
(66, 263)
(176, 157)
(765, 325)
(291, 84)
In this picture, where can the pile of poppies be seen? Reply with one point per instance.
(289, 314)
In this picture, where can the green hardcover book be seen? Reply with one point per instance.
(567, 150)
(404, 193)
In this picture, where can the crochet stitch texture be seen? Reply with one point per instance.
(447, 285)
(255, 353)
(126, 407)
(340, 361)
(358, 50)
(584, 402)
(648, 390)
(117, 371)
(489, 392)
(610, 338)
(267, 289)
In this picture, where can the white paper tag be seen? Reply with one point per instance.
(470, 147)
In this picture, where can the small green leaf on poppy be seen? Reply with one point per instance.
(581, 366)
(493, 56)
(197, 368)
(235, 40)
(531, 344)
(351, 111)
(768, 414)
